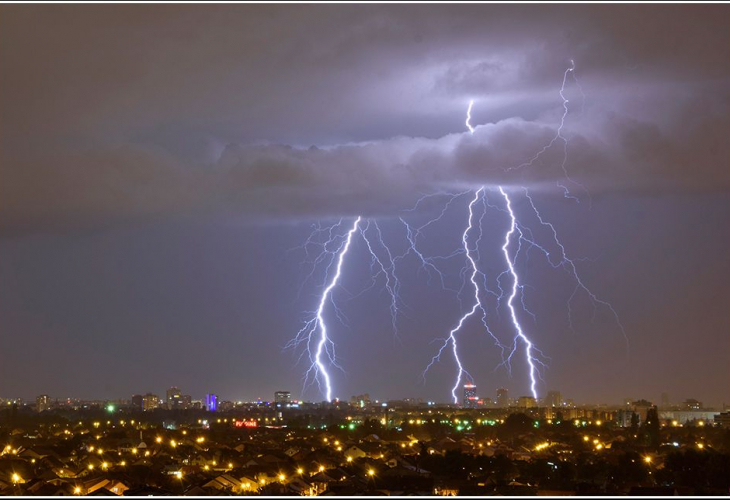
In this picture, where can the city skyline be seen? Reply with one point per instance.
(165, 195)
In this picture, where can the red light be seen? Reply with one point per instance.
(245, 423)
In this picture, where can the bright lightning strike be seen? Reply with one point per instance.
(468, 116)
(308, 334)
(531, 360)
(451, 339)
(383, 262)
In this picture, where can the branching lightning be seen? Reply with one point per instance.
(518, 240)
(477, 305)
(315, 329)
(531, 360)
(560, 137)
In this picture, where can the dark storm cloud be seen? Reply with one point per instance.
(134, 112)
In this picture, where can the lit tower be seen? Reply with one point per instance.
(470, 396)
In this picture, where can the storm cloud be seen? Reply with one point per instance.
(118, 113)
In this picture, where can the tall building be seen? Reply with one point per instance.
(137, 401)
(470, 396)
(553, 399)
(150, 401)
(173, 398)
(42, 403)
(282, 399)
(211, 402)
(502, 398)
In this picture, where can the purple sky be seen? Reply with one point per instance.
(158, 163)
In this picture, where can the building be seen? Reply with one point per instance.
(683, 417)
(150, 401)
(173, 399)
(526, 402)
(42, 403)
(553, 399)
(723, 419)
(470, 396)
(137, 401)
(502, 398)
(186, 401)
(282, 399)
(211, 402)
(361, 400)
(692, 404)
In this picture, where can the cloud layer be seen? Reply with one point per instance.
(124, 113)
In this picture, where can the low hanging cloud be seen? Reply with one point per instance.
(102, 186)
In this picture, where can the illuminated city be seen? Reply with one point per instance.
(364, 249)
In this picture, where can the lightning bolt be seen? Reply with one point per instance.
(531, 360)
(568, 265)
(477, 305)
(559, 137)
(315, 329)
(468, 116)
(392, 283)
(335, 246)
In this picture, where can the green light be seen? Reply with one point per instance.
(351, 427)
(110, 408)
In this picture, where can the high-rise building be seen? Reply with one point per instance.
(502, 398)
(553, 399)
(150, 401)
(173, 399)
(470, 396)
(211, 402)
(137, 401)
(42, 403)
(186, 401)
(282, 399)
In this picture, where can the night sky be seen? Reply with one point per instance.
(160, 165)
